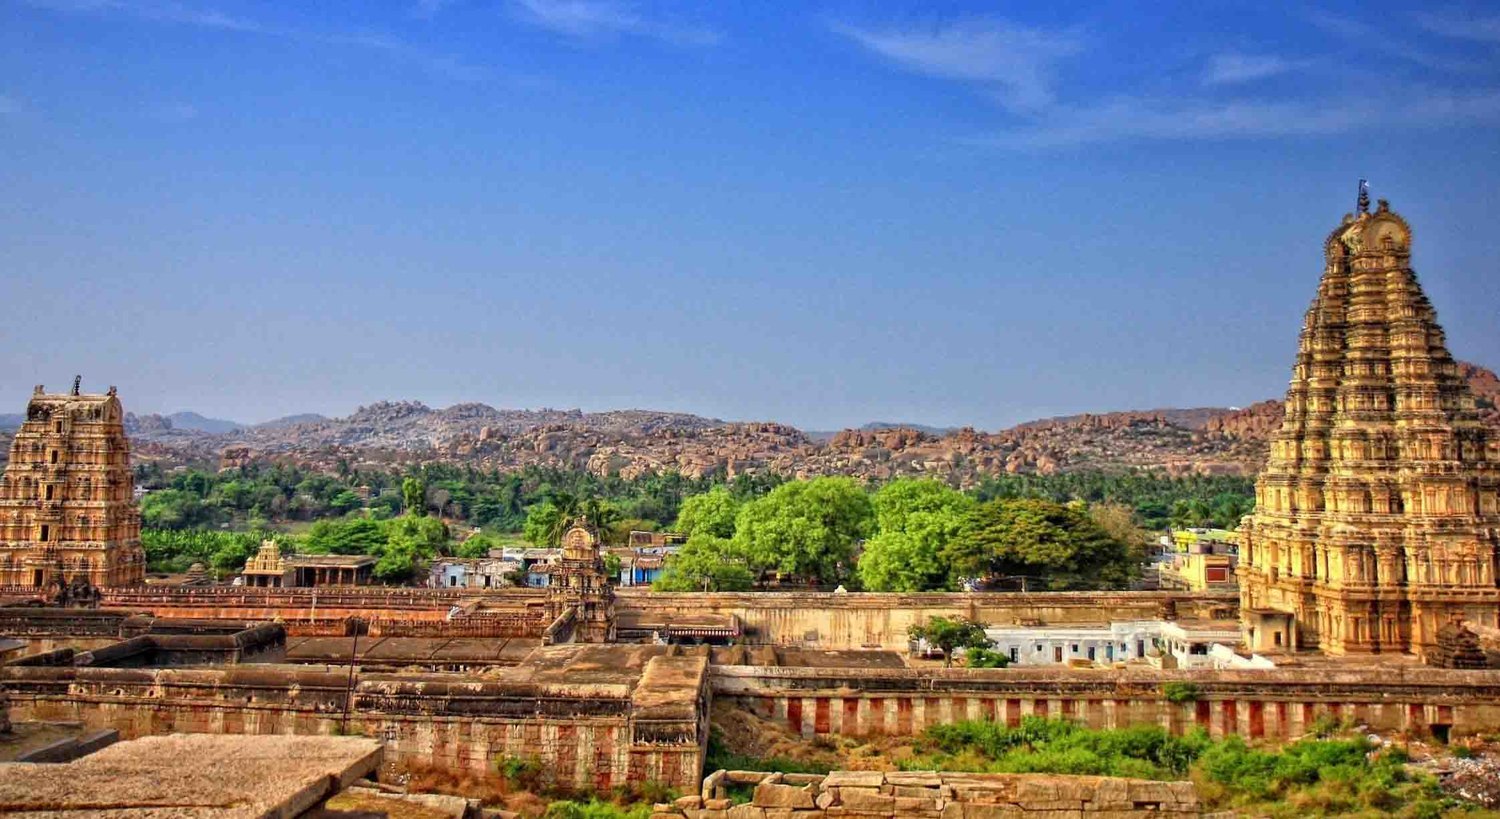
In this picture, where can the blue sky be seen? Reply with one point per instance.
(819, 213)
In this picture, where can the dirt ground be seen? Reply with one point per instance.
(745, 733)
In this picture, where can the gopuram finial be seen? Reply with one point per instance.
(77, 383)
(1363, 205)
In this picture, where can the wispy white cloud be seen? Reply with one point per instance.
(1017, 61)
(1146, 119)
(1233, 67)
(162, 12)
(590, 19)
(1363, 36)
(1462, 26)
(177, 13)
(1020, 66)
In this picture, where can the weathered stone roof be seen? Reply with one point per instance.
(188, 776)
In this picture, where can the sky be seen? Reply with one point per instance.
(821, 213)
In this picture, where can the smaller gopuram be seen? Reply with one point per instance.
(67, 507)
(269, 568)
(581, 586)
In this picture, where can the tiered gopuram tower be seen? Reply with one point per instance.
(66, 507)
(1376, 519)
(579, 585)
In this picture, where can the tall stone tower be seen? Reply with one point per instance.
(1377, 518)
(580, 586)
(66, 507)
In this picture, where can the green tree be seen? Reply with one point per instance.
(543, 526)
(705, 563)
(413, 497)
(916, 520)
(175, 509)
(1038, 538)
(950, 634)
(356, 536)
(805, 529)
(711, 513)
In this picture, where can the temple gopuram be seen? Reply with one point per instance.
(580, 600)
(67, 515)
(1376, 520)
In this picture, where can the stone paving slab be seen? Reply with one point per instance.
(190, 776)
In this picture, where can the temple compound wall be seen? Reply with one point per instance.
(328, 612)
(1281, 704)
(592, 721)
(838, 621)
(67, 511)
(833, 621)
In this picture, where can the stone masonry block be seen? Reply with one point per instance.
(905, 805)
(861, 799)
(917, 779)
(745, 812)
(772, 795)
(854, 779)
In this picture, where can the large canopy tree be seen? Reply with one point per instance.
(1058, 544)
(916, 520)
(805, 529)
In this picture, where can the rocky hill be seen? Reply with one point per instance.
(633, 442)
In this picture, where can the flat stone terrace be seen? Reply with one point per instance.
(596, 715)
(190, 777)
(426, 653)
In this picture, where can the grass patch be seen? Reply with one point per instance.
(719, 757)
(1311, 777)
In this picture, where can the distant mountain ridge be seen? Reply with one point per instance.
(1202, 440)
(194, 421)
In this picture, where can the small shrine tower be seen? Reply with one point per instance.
(581, 586)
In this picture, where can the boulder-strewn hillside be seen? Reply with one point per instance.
(633, 442)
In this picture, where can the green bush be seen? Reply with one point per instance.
(594, 809)
(525, 773)
(1180, 692)
(985, 658)
(1310, 777)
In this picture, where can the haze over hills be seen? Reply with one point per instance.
(1206, 440)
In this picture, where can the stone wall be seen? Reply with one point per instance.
(816, 620)
(326, 612)
(927, 794)
(1280, 704)
(880, 621)
(587, 733)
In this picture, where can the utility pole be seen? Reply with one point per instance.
(356, 625)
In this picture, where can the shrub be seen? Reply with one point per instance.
(985, 658)
(524, 773)
(1179, 692)
(594, 809)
